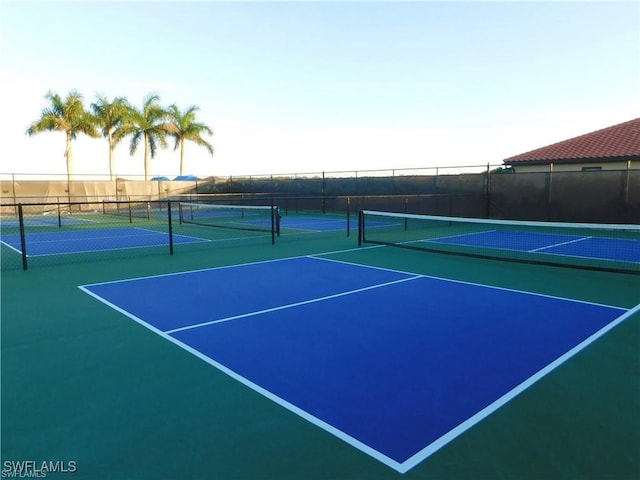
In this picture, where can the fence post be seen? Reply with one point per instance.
(627, 174)
(356, 192)
(393, 181)
(550, 192)
(323, 194)
(487, 193)
(23, 238)
(13, 187)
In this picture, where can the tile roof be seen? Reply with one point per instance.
(618, 142)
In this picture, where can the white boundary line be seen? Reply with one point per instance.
(436, 239)
(257, 388)
(11, 247)
(539, 251)
(489, 409)
(291, 305)
(559, 245)
(172, 274)
(494, 287)
(132, 247)
(318, 256)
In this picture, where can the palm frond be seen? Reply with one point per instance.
(135, 141)
(185, 127)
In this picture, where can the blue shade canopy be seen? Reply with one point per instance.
(186, 177)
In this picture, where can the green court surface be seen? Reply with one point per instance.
(83, 383)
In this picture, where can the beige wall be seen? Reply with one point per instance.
(576, 167)
(42, 191)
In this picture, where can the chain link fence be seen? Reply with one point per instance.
(145, 220)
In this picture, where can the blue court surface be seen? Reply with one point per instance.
(43, 221)
(80, 241)
(394, 363)
(568, 245)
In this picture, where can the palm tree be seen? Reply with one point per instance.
(184, 127)
(110, 117)
(149, 125)
(65, 115)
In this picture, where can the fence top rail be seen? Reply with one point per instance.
(163, 178)
(257, 195)
(235, 196)
(107, 202)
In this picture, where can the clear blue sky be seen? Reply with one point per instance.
(313, 86)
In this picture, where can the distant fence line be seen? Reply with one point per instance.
(54, 191)
(610, 196)
(41, 188)
(436, 170)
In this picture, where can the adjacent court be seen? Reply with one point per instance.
(556, 244)
(43, 221)
(606, 247)
(391, 362)
(91, 240)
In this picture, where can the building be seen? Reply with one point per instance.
(612, 148)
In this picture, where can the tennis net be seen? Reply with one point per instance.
(604, 247)
(132, 209)
(260, 218)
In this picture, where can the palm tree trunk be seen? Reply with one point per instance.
(147, 159)
(111, 165)
(111, 149)
(181, 157)
(68, 153)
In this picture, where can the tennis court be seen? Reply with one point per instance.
(316, 357)
(568, 245)
(606, 247)
(43, 221)
(82, 241)
(335, 350)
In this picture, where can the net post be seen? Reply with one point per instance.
(59, 214)
(348, 216)
(273, 223)
(360, 227)
(23, 238)
(170, 228)
(130, 212)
